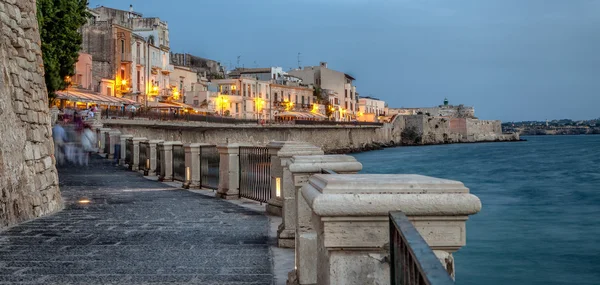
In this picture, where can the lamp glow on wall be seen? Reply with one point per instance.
(277, 186)
(315, 108)
(187, 174)
(259, 104)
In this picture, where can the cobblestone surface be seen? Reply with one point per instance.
(136, 231)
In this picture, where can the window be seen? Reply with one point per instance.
(302, 99)
(275, 97)
(346, 105)
(296, 98)
(122, 46)
(346, 93)
(237, 107)
(196, 102)
(122, 74)
(138, 80)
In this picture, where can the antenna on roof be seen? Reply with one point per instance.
(299, 60)
(238, 61)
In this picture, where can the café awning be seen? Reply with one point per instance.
(88, 97)
(301, 115)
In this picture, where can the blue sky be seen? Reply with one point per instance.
(510, 59)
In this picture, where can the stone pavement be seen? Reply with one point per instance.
(136, 231)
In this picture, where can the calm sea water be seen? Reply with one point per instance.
(540, 221)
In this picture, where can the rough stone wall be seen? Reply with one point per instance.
(28, 178)
(422, 129)
(328, 138)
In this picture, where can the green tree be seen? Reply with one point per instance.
(59, 22)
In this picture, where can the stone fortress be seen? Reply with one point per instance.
(29, 181)
(446, 124)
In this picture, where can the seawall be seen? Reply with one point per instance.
(331, 139)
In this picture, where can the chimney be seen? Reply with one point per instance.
(130, 7)
(323, 64)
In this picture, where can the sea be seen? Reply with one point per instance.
(540, 220)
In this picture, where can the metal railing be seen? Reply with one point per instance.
(255, 173)
(412, 262)
(178, 163)
(129, 152)
(159, 158)
(209, 167)
(144, 155)
(106, 144)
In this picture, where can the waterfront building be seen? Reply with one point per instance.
(369, 109)
(244, 98)
(341, 91)
(445, 110)
(207, 69)
(264, 74)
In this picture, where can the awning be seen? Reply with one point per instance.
(163, 105)
(87, 97)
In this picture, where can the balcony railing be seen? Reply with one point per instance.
(125, 57)
(412, 260)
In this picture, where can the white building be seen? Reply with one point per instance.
(263, 74)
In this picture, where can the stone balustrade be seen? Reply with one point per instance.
(166, 167)
(338, 223)
(351, 223)
(301, 168)
(136, 153)
(124, 139)
(114, 139)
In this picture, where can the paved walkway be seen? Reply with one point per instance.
(136, 231)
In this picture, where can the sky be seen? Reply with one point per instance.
(512, 60)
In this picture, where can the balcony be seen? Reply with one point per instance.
(140, 60)
(126, 57)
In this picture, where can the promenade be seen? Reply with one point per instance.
(136, 231)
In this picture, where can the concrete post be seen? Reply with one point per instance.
(166, 167)
(102, 139)
(153, 156)
(350, 218)
(229, 171)
(114, 136)
(192, 165)
(136, 153)
(282, 186)
(124, 139)
(301, 168)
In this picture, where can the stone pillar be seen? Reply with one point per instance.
(192, 165)
(166, 167)
(350, 218)
(153, 156)
(282, 186)
(136, 153)
(229, 171)
(301, 168)
(124, 139)
(102, 139)
(114, 136)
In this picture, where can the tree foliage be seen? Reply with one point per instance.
(59, 22)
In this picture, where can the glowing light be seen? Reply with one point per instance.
(315, 108)
(278, 186)
(123, 82)
(84, 201)
(187, 174)
(154, 88)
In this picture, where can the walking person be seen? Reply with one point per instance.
(60, 137)
(88, 138)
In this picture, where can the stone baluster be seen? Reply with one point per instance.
(136, 153)
(114, 137)
(301, 168)
(192, 165)
(102, 139)
(229, 171)
(166, 167)
(350, 218)
(153, 156)
(282, 186)
(124, 139)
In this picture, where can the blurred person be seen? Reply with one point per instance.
(59, 136)
(88, 138)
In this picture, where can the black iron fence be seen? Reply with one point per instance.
(160, 156)
(129, 152)
(255, 173)
(106, 144)
(209, 167)
(178, 163)
(144, 155)
(412, 260)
